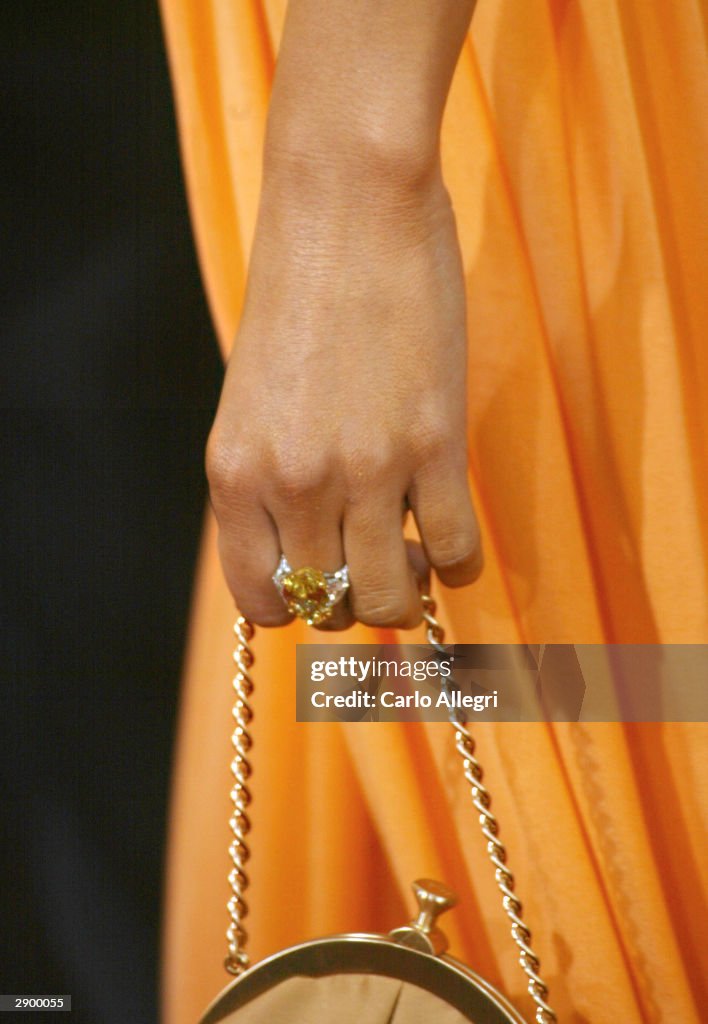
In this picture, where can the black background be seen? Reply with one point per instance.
(109, 376)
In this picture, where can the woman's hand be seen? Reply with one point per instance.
(344, 397)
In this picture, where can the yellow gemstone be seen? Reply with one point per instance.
(306, 595)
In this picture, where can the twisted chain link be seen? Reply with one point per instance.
(237, 960)
(481, 799)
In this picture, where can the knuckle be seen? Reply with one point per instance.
(215, 460)
(459, 557)
(433, 444)
(264, 613)
(270, 619)
(229, 469)
(454, 550)
(384, 609)
(367, 467)
(296, 478)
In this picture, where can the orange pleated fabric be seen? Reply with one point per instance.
(576, 152)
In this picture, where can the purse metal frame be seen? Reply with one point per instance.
(443, 976)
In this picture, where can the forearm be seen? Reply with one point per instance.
(364, 82)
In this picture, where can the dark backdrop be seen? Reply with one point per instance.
(108, 380)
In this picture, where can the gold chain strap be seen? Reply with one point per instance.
(520, 932)
(237, 960)
(240, 824)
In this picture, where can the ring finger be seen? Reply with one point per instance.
(312, 537)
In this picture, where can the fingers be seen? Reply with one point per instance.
(250, 551)
(419, 564)
(447, 524)
(311, 535)
(384, 590)
(295, 516)
(320, 529)
(249, 546)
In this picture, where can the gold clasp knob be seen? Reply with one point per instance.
(434, 899)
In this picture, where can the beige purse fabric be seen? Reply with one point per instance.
(346, 999)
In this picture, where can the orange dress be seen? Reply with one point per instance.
(576, 153)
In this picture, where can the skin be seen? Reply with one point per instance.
(344, 395)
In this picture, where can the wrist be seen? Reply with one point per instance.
(360, 151)
(359, 93)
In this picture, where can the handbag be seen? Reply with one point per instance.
(405, 977)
